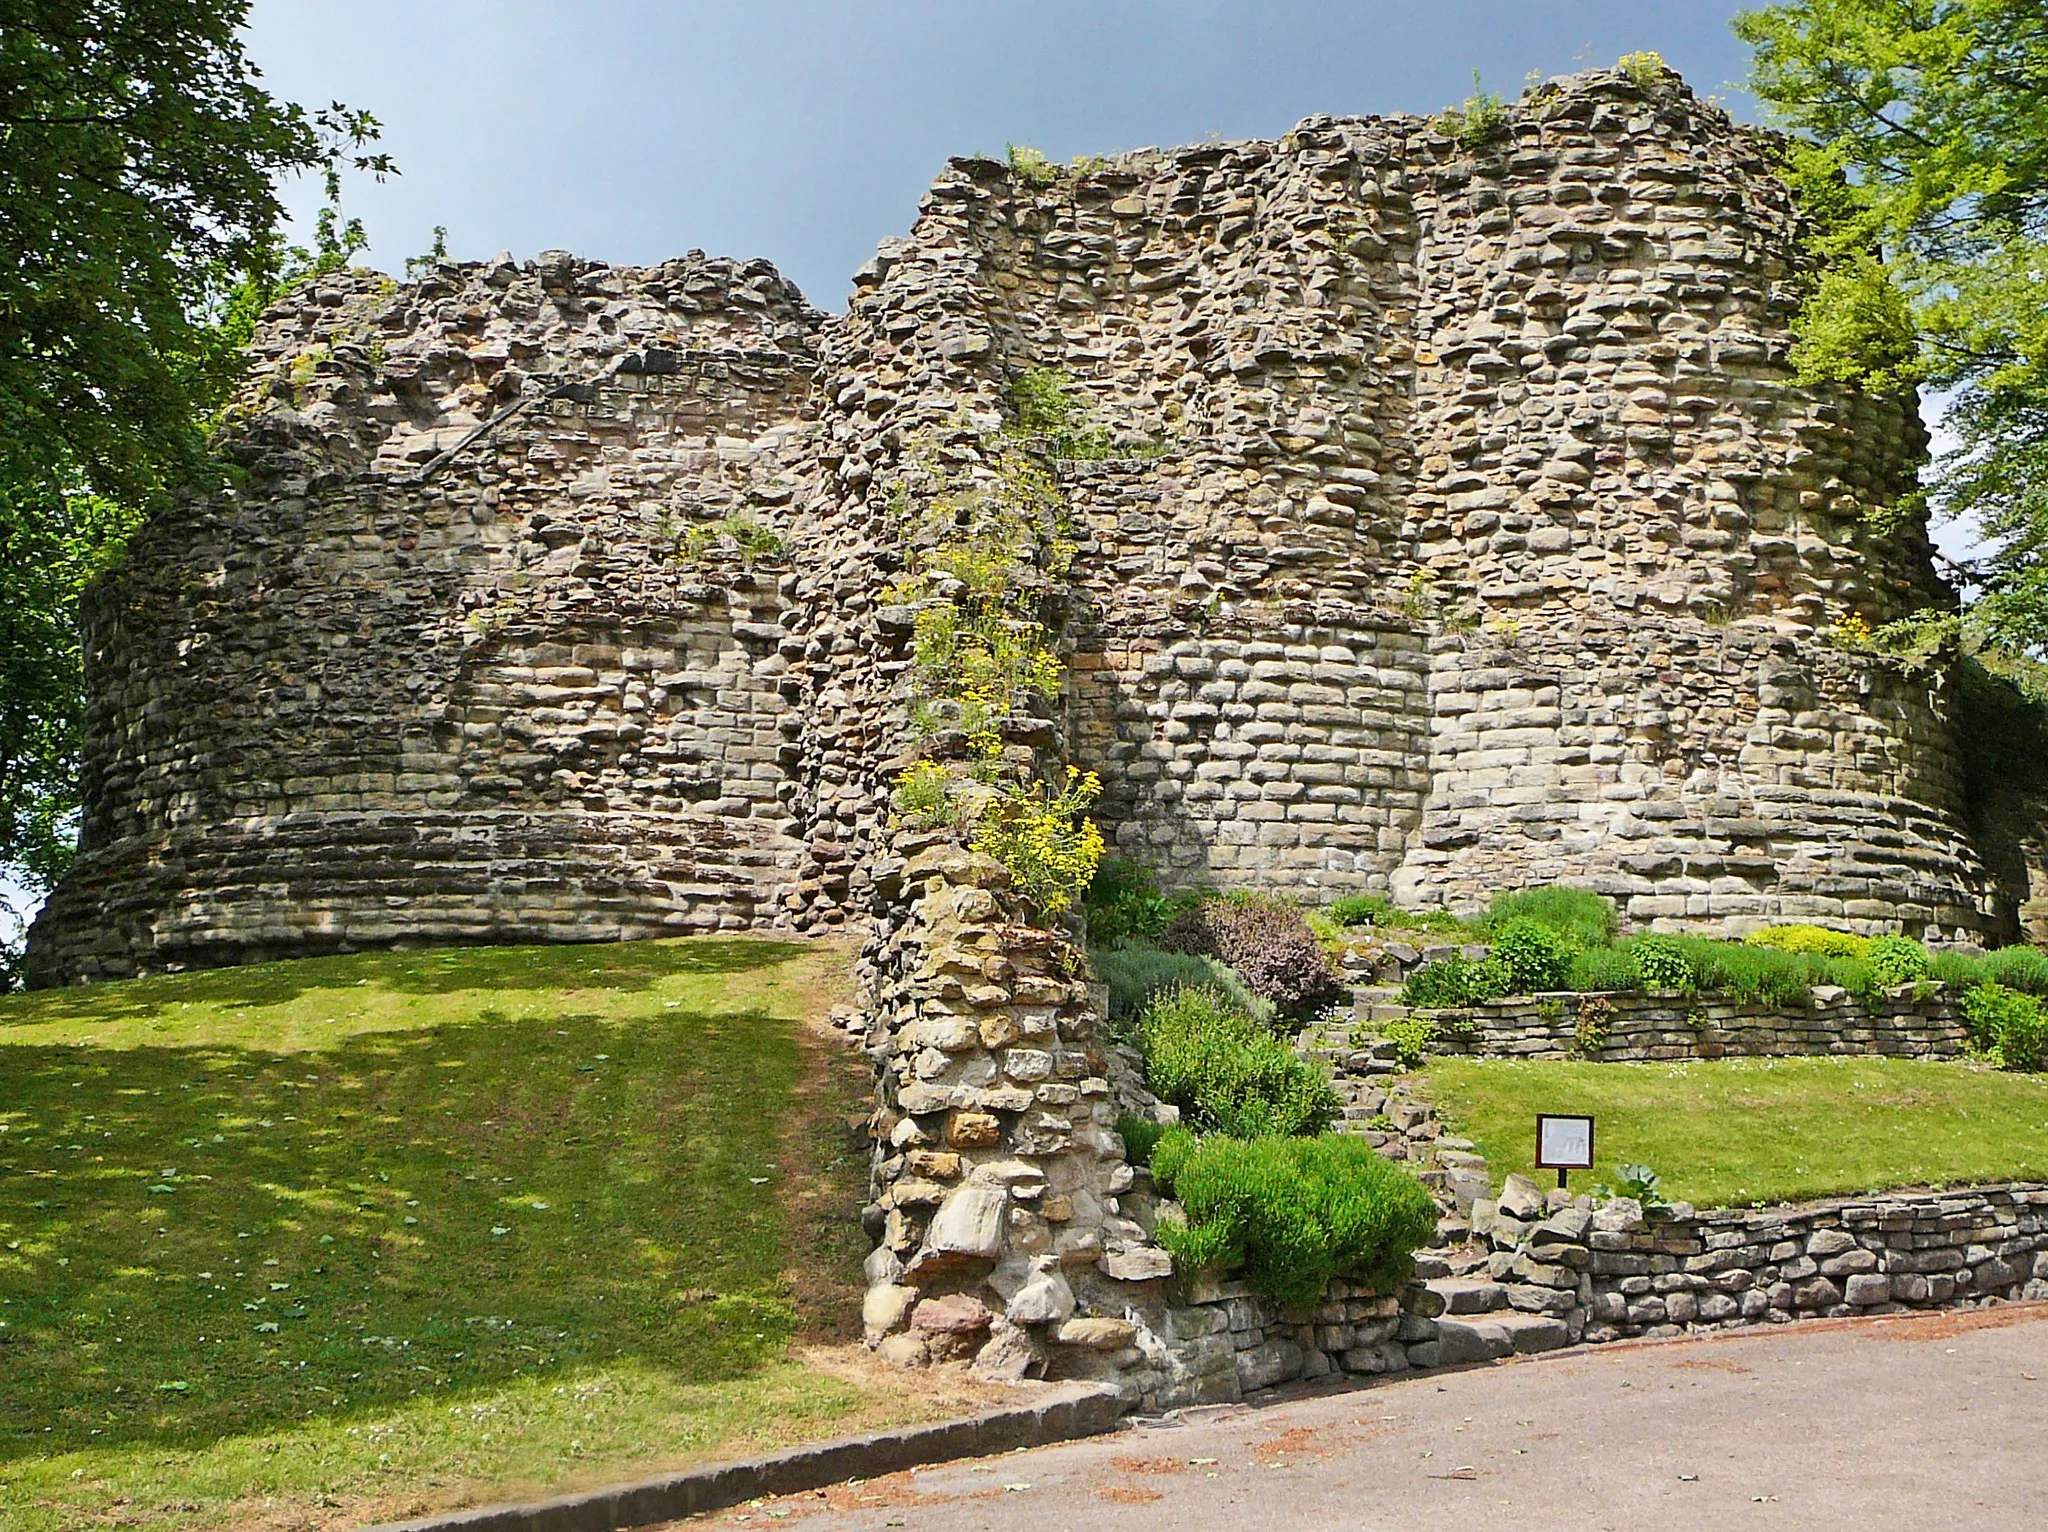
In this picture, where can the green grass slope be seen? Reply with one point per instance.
(1740, 1131)
(281, 1238)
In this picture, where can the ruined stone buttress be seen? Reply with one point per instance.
(1473, 533)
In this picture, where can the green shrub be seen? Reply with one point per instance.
(1582, 917)
(1534, 957)
(1141, 1136)
(1605, 968)
(2007, 1025)
(1897, 960)
(1226, 1072)
(1372, 910)
(1818, 940)
(1136, 971)
(1123, 901)
(2022, 968)
(1662, 963)
(1455, 981)
(1961, 970)
(1267, 942)
(1412, 1036)
(1361, 910)
(1293, 1213)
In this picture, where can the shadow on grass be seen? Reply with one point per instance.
(201, 1242)
(440, 970)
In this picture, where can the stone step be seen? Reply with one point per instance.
(1469, 1259)
(1488, 1337)
(1470, 1295)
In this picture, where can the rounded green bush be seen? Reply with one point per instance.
(1136, 971)
(1225, 1071)
(1897, 960)
(1605, 968)
(1453, 982)
(1534, 957)
(1292, 1213)
(2022, 968)
(1361, 910)
(1663, 963)
(2007, 1025)
(1582, 917)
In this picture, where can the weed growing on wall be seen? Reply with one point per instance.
(740, 537)
(1476, 121)
(987, 541)
(1031, 166)
(1643, 69)
(1048, 411)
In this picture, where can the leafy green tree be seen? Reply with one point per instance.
(140, 159)
(1920, 148)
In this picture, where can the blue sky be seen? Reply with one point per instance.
(805, 130)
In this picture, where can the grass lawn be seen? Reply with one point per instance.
(1732, 1132)
(311, 1243)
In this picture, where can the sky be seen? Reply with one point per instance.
(806, 130)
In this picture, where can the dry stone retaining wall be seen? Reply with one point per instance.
(1639, 1027)
(1615, 1272)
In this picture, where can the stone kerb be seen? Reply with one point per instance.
(1645, 1027)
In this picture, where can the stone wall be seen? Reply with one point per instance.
(1619, 1273)
(998, 1173)
(1638, 1027)
(436, 672)
(1468, 530)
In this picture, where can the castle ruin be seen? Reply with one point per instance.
(1474, 533)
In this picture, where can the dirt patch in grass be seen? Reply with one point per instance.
(826, 1150)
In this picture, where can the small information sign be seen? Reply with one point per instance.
(1563, 1143)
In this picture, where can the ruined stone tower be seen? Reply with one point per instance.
(1473, 533)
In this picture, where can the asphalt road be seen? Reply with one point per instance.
(1926, 1422)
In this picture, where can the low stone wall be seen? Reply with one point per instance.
(1621, 1273)
(1225, 1341)
(1553, 1274)
(1637, 1027)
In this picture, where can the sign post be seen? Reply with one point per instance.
(1563, 1144)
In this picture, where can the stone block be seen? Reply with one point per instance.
(1097, 1333)
(969, 1222)
(1461, 1341)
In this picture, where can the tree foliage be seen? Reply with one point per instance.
(140, 158)
(1920, 149)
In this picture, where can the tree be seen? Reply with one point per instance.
(140, 158)
(1920, 149)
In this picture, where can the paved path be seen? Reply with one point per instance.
(1924, 1422)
